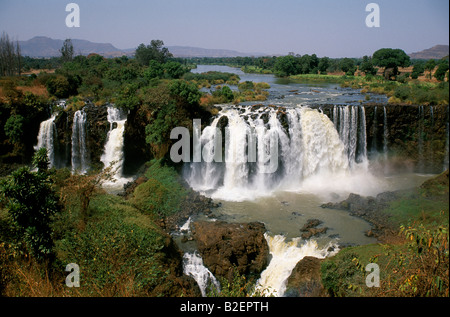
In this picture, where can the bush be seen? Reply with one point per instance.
(31, 202)
(162, 194)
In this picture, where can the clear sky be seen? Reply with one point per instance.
(334, 28)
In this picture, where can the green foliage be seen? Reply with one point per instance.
(14, 128)
(118, 251)
(66, 51)
(155, 51)
(339, 275)
(185, 92)
(441, 70)
(155, 70)
(158, 131)
(347, 65)
(161, 194)
(58, 86)
(239, 286)
(367, 66)
(174, 69)
(127, 97)
(391, 58)
(32, 202)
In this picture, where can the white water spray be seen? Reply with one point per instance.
(285, 256)
(193, 266)
(113, 151)
(46, 138)
(80, 163)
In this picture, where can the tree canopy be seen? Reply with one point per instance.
(391, 58)
(155, 51)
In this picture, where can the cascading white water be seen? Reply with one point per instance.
(46, 138)
(193, 266)
(285, 255)
(80, 162)
(310, 152)
(113, 151)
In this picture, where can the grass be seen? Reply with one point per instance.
(415, 265)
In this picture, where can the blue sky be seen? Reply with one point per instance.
(334, 28)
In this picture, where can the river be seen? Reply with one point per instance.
(314, 168)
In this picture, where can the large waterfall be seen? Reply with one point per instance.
(80, 160)
(46, 138)
(309, 150)
(113, 151)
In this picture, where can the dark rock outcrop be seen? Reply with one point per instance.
(310, 229)
(225, 247)
(305, 279)
(370, 209)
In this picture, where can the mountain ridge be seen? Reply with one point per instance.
(435, 52)
(43, 46)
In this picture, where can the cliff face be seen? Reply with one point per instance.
(97, 127)
(412, 137)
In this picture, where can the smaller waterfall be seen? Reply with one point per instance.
(46, 138)
(285, 255)
(193, 266)
(113, 151)
(80, 161)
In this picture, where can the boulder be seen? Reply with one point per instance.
(305, 280)
(225, 247)
(309, 228)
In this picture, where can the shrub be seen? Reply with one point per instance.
(162, 194)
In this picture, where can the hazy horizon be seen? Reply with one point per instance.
(323, 27)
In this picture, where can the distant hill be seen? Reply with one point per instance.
(436, 52)
(187, 51)
(42, 46)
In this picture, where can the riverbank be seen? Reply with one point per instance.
(413, 251)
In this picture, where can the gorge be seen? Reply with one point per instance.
(329, 145)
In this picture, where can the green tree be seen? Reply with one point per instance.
(174, 69)
(441, 70)
(286, 66)
(66, 51)
(155, 51)
(418, 69)
(323, 65)
(429, 66)
(31, 203)
(58, 86)
(347, 65)
(367, 66)
(184, 92)
(155, 70)
(14, 128)
(391, 59)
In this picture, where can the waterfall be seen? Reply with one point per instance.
(285, 255)
(385, 140)
(79, 159)
(46, 138)
(113, 151)
(193, 266)
(270, 148)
